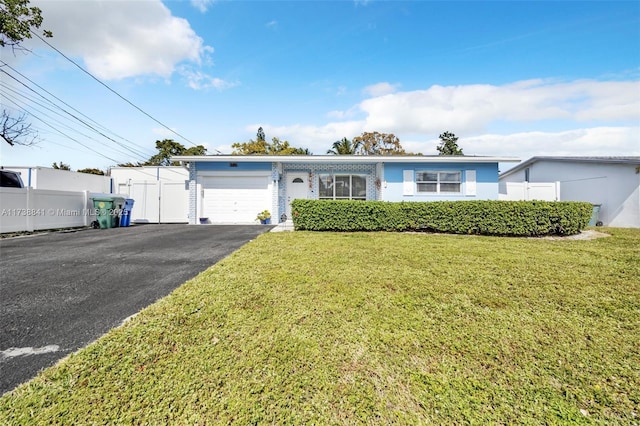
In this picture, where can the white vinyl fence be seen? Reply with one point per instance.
(157, 201)
(526, 191)
(161, 193)
(28, 209)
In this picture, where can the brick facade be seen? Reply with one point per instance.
(193, 196)
(370, 170)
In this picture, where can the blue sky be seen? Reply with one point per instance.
(508, 78)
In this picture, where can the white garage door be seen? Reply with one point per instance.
(235, 199)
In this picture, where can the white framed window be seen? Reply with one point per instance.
(438, 182)
(342, 187)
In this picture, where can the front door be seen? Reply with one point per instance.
(297, 187)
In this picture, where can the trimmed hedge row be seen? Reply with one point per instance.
(506, 218)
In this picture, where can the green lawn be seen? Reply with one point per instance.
(379, 328)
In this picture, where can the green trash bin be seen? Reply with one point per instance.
(104, 207)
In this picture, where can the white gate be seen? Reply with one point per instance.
(146, 196)
(157, 201)
(174, 202)
(525, 191)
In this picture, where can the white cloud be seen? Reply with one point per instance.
(579, 141)
(595, 141)
(271, 24)
(344, 115)
(198, 80)
(603, 116)
(202, 5)
(472, 108)
(380, 89)
(164, 132)
(124, 38)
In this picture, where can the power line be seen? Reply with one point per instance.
(89, 126)
(11, 97)
(66, 104)
(73, 139)
(112, 90)
(16, 102)
(5, 89)
(49, 121)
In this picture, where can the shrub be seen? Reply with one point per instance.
(507, 218)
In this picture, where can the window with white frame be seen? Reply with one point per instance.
(342, 187)
(438, 182)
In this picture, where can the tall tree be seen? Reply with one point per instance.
(61, 166)
(260, 135)
(375, 143)
(168, 148)
(449, 144)
(278, 147)
(17, 20)
(343, 147)
(250, 148)
(130, 164)
(92, 171)
(262, 147)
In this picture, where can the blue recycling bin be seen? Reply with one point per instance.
(125, 217)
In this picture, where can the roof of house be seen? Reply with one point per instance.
(369, 159)
(601, 160)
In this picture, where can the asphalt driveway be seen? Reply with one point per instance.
(61, 291)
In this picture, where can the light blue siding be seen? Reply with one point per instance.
(486, 181)
(315, 170)
(384, 180)
(227, 166)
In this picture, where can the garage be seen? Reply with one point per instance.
(235, 198)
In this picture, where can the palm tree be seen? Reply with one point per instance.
(343, 147)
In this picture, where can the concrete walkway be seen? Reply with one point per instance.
(283, 226)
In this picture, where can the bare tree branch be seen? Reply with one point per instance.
(16, 131)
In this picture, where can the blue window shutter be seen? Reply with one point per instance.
(470, 182)
(407, 182)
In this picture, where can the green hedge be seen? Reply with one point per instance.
(507, 218)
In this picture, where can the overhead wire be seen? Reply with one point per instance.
(72, 138)
(69, 106)
(75, 117)
(112, 90)
(40, 114)
(52, 119)
(138, 148)
(94, 126)
(57, 130)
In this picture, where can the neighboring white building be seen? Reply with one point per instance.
(611, 182)
(160, 193)
(62, 180)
